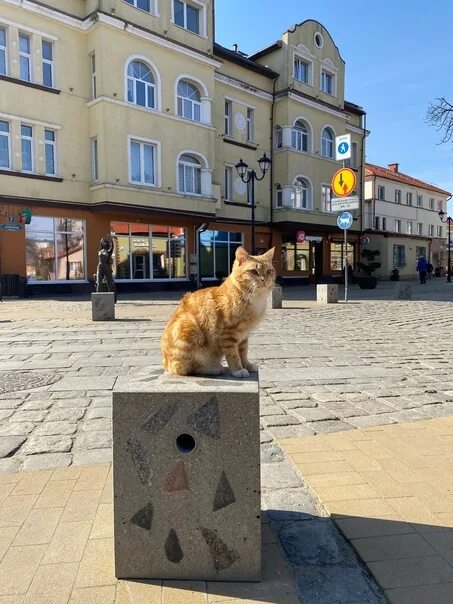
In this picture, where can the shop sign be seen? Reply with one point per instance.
(313, 238)
(11, 227)
(300, 236)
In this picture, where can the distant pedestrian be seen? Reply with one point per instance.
(422, 265)
(430, 270)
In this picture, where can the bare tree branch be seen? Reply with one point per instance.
(440, 115)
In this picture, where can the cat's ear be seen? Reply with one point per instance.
(241, 255)
(269, 255)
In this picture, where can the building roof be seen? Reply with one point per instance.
(373, 170)
(240, 59)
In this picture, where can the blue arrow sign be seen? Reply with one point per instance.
(344, 220)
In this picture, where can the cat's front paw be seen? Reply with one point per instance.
(240, 373)
(251, 368)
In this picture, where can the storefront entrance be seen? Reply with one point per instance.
(316, 261)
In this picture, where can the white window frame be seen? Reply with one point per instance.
(297, 135)
(297, 61)
(148, 85)
(228, 117)
(250, 124)
(53, 145)
(303, 56)
(229, 182)
(7, 135)
(48, 62)
(93, 75)
(27, 138)
(27, 56)
(381, 188)
(94, 157)
(4, 50)
(419, 201)
(278, 137)
(439, 231)
(201, 7)
(156, 158)
(384, 223)
(333, 75)
(324, 207)
(430, 230)
(409, 228)
(377, 223)
(397, 225)
(409, 199)
(432, 203)
(181, 191)
(153, 9)
(194, 103)
(328, 127)
(398, 196)
(301, 203)
(278, 196)
(419, 228)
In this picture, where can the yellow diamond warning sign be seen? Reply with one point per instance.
(343, 182)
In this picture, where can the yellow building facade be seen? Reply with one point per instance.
(127, 118)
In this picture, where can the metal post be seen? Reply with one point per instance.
(252, 201)
(346, 265)
(449, 249)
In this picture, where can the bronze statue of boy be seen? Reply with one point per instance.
(104, 272)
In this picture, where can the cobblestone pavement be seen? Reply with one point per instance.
(323, 369)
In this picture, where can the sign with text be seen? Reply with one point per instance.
(343, 147)
(340, 204)
(11, 227)
(314, 238)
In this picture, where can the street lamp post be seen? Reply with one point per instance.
(249, 178)
(448, 221)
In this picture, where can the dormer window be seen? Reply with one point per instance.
(301, 70)
(328, 82)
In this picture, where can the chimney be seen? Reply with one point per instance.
(235, 47)
(394, 167)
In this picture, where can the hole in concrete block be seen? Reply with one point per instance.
(185, 443)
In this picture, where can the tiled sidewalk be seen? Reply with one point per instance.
(56, 547)
(390, 491)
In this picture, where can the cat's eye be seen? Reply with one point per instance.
(253, 271)
(269, 271)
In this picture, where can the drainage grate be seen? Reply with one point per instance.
(12, 381)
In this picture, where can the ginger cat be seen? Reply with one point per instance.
(216, 322)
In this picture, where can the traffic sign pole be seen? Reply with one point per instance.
(346, 265)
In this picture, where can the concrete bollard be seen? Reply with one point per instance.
(186, 479)
(327, 293)
(103, 306)
(275, 297)
(403, 291)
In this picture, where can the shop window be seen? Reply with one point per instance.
(337, 256)
(55, 249)
(399, 256)
(295, 256)
(217, 253)
(144, 252)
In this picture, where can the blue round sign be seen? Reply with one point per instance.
(343, 148)
(344, 220)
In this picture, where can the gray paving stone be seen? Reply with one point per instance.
(10, 444)
(66, 414)
(371, 420)
(83, 383)
(265, 437)
(96, 425)
(29, 416)
(94, 440)
(83, 458)
(47, 444)
(73, 403)
(291, 504)
(5, 413)
(273, 410)
(297, 404)
(12, 403)
(47, 461)
(10, 464)
(55, 429)
(99, 413)
(270, 453)
(16, 428)
(279, 420)
(330, 425)
(278, 476)
(313, 415)
(281, 432)
(36, 405)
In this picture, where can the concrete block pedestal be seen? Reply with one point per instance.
(327, 293)
(103, 306)
(275, 297)
(186, 480)
(403, 291)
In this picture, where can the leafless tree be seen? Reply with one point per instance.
(440, 115)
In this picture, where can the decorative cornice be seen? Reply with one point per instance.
(243, 86)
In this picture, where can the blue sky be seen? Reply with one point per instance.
(398, 57)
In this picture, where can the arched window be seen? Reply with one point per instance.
(327, 140)
(189, 101)
(141, 86)
(300, 136)
(302, 194)
(189, 173)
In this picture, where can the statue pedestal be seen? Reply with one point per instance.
(103, 306)
(275, 297)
